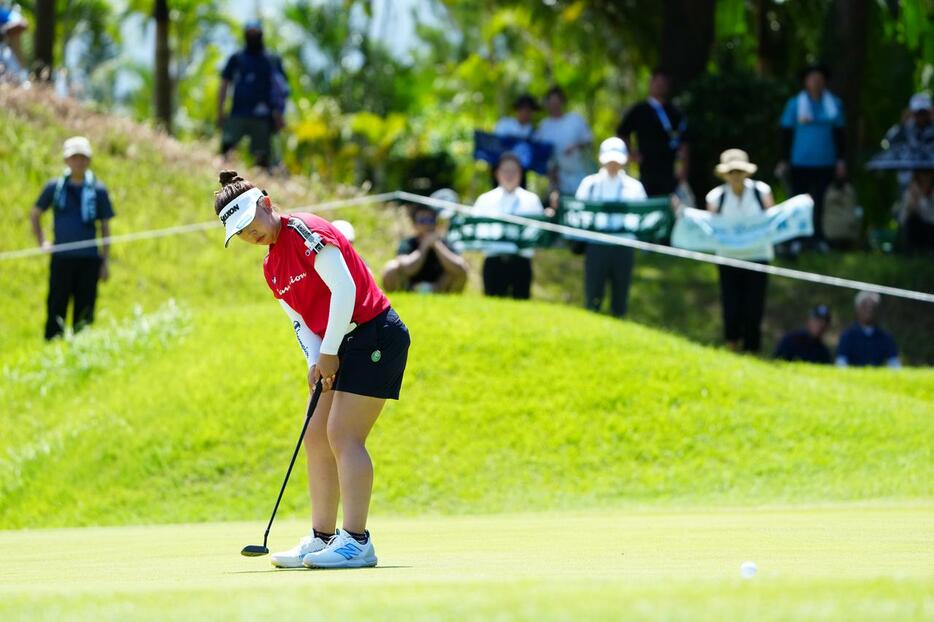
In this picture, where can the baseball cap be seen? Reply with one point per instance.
(821, 312)
(239, 213)
(77, 145)
(919, 102)
(613, 150)
(253, 24)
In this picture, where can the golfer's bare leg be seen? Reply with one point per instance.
(351, 419)
(323, 484)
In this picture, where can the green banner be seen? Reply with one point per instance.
(467, 233)
(649, 220)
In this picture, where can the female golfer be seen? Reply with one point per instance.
(354, 343)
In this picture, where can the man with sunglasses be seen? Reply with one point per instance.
(425, 262)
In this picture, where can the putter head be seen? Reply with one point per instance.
(254, 550)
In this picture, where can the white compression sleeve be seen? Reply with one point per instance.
(333, 270)
(309, 342)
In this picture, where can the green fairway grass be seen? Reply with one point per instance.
(847, 562)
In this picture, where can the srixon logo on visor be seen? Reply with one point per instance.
(230, 212)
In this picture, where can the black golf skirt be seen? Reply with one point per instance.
(373, 356)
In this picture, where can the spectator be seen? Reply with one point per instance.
(611, 262)
(78, 201)
(661, 138)
(813, 142)
(259, 94)
(521, 124)
(742, 292)
(571, 138)
(916, 216)
(864, 343)
(915, 132)
(807, 344)
(508, 272)
(12, 27)
(425, 262)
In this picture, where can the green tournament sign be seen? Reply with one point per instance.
(649, 220)
(489, 234)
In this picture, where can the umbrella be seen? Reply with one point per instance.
(906, 153)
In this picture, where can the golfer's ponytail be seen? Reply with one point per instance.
(232, 186)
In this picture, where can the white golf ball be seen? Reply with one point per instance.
(748, 570)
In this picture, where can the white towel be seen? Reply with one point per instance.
(804, 107)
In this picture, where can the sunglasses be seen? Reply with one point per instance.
(426, 220)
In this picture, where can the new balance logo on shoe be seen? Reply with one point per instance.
(348, 550)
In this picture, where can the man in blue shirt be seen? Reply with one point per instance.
(78, 203)
(259, 94)
(813, 142)
(864, 343)
(807, 344)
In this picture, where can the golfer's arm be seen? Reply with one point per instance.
(331, 267)
(309, 342)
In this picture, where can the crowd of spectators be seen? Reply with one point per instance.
(653, 135)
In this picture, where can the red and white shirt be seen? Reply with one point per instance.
(290, 273)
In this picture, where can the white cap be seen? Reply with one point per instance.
(346, 229)
(613, 150)
(919, 102)
(446, 194)
(77, 145)
(239, 213)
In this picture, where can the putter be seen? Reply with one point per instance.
(255, 550)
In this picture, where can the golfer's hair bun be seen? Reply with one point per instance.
(229, 177)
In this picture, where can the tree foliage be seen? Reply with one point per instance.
(361, 112)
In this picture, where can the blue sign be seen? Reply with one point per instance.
(534, 155)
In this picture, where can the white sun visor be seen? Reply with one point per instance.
(239, 213)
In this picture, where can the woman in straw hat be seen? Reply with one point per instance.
(742, 292)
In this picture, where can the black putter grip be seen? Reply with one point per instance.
(316, 394)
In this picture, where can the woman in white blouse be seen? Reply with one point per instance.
(742, 292)
(507, 270)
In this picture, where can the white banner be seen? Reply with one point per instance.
(700, 230)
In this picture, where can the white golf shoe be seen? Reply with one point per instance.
(294, 556)
(343, 552)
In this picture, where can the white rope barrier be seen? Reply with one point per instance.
(676, 252)
(183, 229)
(468, 210)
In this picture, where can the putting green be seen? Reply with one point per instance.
(853, 562)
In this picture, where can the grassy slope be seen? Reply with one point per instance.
(146, 422)
(190, 424)
(619, 566)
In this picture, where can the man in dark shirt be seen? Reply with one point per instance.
(807, 344)
(864, 343)
(259, 97)
(425, 262)
(661, 137)
(78, 202)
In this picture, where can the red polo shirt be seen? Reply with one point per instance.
(290, 272)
